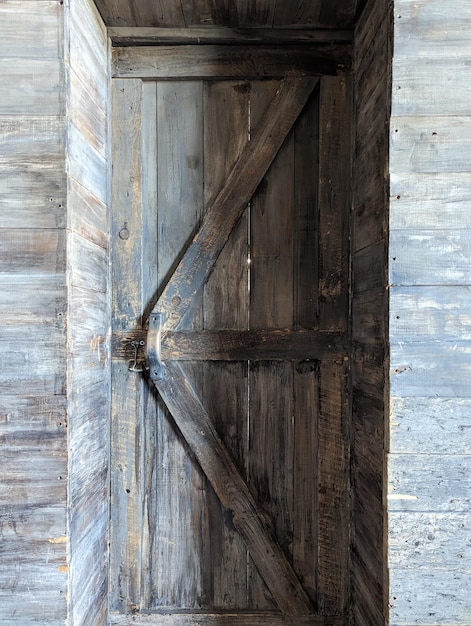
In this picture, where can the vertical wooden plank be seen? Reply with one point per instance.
(334, 185)
(127, 387)
(306, 374)
(225, 395)
(178, 512)
(271, 428)
(333, 490)
(334, 202)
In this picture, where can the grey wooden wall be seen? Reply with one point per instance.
(88, 375)
(33, 307)
(430, 322)
(52, 241)
(369, 312)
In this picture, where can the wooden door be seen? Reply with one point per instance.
(230, 474)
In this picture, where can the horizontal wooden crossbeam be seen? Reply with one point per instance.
(126, 36)
(238, 345)
(229, 62)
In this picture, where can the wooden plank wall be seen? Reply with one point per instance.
(33, 435)
(88, 388)
(369, 312)
(429, 461)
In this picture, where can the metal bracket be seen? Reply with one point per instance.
(136, 344)
(154, 340)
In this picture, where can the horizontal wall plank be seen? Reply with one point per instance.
(33, 359)
(426, 313)
(429, 597)
(26, 251)
(430, 201)
(33, 33)
(32, 139)
(417, 94)
(430, 257)
(429, 540)
(33, 195)
(431, 28)
(430, 425)
(434, 369)
(229, 61)
(128, 36)
(437, 483)
(28, 300)
(429, 144)
(31, 87)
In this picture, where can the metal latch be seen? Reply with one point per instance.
(153, 348)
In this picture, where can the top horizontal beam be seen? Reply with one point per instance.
(229, 62)
(139, 36)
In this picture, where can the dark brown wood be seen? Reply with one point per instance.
(238, 345)
(225, 386)
(125, 36)
(225, 61)
(260, 618)
(200, 434)
(227, 207)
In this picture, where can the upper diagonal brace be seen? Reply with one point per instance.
(216, 462)
(223, 212)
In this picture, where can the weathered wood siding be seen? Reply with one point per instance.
(88, 389)
(53, 312)
(369, 312)
(33, 435)
(429, 461)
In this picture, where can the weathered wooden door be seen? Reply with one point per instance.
(230, 473)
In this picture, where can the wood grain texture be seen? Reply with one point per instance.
(206, 62)
(369, 323)
(88, 375)
(225, 305)
(239, 188)
(124, 36)
(225, 619)
(32, 34)
(196, 427)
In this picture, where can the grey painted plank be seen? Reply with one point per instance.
(431, 369)
(31, 139)
(433, 483)
(429, 144)
(31, 87)
(34, 358)
(88, 216)
(206, 62)
(424, 313)
(33, 194)
(430, 425)
(415, 93)
(34, 32)
(434, 598)
(430, 201)
(32, 300)
(430, 257)
(86, 165)
(85, 115)
(27, 252)
(431, 541)
(90, 264)
(420, 30)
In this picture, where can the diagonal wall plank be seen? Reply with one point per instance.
(223, 213)
(213, 457)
